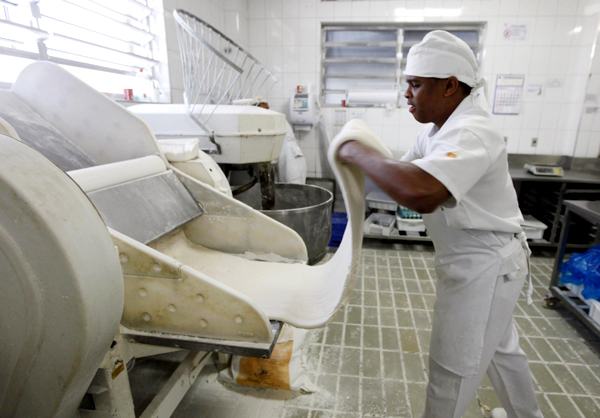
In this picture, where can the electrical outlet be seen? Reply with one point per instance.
(534, 142)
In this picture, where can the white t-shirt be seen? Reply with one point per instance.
(468, 156)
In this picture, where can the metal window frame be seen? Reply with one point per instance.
(42, 53)
(400, 44)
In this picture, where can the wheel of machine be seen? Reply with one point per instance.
(62, 287)
(552, 302)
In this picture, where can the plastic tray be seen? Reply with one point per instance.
(410, 224)
(533, 228)
(379, 224)
(379, 200)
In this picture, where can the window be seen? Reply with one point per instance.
(112, 45)
(376, 53)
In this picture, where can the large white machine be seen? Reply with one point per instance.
(74, 161)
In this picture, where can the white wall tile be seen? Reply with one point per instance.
(595, 126)
(554, 50)
(274, 33)
(258, 29)
(360, 8)
(508, 7)
(593, 150)
(526, 139)
(342, 9)
(290, 31)
(565, 142)
(521, 59)
(586, 35)
(547, 7)
(587, 121)
(307, 8)
(532, 115)
(381, 9)
(513, 138)
(389, 136)
(513, 121)
(256, 9)
(503, 56)
(275, 58)
(563, 30)
(471, 9)
(550, 116)
(308, 59)
(528, 7)
(540, 59)
(567, 7)
(546, 140)
(559, 63)
(308, 32)
(490, 8)
(291, 59)
(544, 30)
(274, 9)
(579, 60)
(581, 146)
(325, 10)
(391, 118)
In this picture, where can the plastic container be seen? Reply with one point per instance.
(379, 200)
(405, 213)
(415, 225)
(339, 220)
(533, 228)
(379, 224)
(594, 310)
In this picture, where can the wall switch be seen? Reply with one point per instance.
(534, 142)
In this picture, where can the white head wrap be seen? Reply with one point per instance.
(442, 55)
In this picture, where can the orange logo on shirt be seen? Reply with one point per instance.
(451, 155)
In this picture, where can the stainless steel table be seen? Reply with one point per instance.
(590, 211)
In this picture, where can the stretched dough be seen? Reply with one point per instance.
(300, 295)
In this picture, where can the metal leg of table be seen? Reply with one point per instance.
(571, 302)
(560, 253)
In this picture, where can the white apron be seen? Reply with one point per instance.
(468, 264)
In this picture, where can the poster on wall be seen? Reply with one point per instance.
(508, 94)
(515, 32)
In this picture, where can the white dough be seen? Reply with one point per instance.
(300, 295)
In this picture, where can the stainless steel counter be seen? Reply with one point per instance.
(571, 176)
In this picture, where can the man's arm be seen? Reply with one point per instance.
(406, 183)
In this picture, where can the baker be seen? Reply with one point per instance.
(456, 175)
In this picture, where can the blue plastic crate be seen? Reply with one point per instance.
(339, 220)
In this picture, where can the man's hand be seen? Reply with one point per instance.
(347, 151)
(406, 183)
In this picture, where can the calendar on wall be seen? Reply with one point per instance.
(508, 94)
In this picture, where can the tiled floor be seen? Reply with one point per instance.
(372, 360)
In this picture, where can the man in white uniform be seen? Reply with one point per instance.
(456, 174)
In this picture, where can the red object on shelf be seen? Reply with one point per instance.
(128, 94)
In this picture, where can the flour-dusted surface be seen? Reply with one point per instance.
(371, 360)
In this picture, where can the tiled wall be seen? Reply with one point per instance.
(557, 54)
(228, 16)
(588, 140)
(285, 35)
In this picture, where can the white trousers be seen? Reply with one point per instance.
(449, 395)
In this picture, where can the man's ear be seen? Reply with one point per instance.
(451, 86)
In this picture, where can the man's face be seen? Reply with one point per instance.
(424, 98)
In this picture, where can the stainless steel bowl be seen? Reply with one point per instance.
(304, 208)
